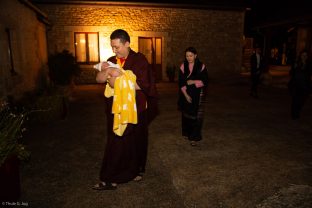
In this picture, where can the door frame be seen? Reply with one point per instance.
(164, 35)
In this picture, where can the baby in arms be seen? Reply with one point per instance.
(109, 70)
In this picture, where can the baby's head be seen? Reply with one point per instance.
(109, 70)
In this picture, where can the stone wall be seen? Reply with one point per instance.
(217, 34)
(28, 49)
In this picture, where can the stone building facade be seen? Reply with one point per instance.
(216, 33)
(23, 48)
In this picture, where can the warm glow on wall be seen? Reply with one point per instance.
(105, 48)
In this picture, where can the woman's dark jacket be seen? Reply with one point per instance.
(300, 78)
(191, 109)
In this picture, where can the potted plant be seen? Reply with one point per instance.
(12, 151)
(171, 71)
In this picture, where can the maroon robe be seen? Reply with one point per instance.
(125, 156)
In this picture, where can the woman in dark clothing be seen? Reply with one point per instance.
(300, 83)
(193, 79)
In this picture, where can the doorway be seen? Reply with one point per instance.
(151, 47)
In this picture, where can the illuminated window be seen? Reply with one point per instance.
(87, 47)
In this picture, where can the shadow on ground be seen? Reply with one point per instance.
(252, 155)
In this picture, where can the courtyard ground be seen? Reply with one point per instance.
(252, 154)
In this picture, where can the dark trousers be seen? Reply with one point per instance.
(255, 81)
(191, 128)
(298, 100)
(142, 140)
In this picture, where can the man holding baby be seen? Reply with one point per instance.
(127, 138)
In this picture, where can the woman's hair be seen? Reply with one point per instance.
(191, 49)
(120, 34)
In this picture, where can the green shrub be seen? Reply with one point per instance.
(11, 129)
(62, 68)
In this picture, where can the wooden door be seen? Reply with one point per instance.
(151, 47)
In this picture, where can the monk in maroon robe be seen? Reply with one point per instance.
(125, 156)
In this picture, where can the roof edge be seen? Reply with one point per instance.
(146, 4)
(40, 14)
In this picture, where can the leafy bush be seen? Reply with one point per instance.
(63, 68)
(11, 128)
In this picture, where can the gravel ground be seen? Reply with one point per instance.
(252, 155)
